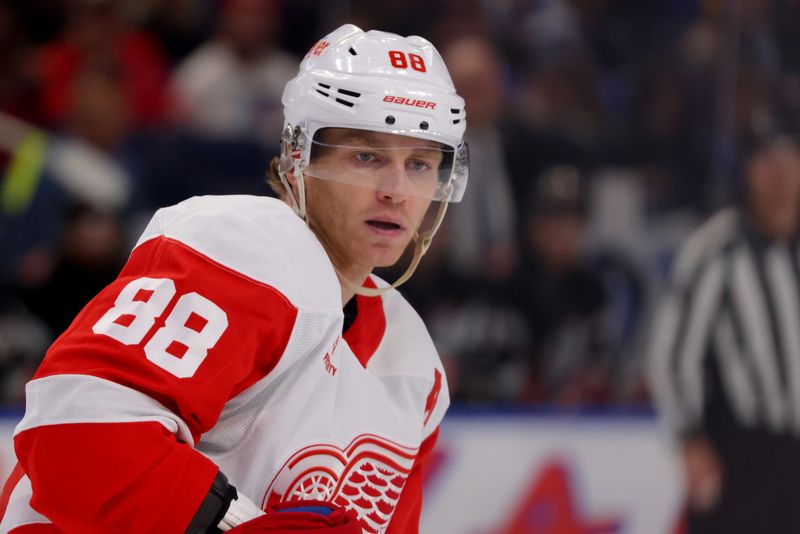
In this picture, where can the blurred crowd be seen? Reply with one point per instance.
(601, 133)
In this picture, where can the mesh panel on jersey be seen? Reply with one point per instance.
(237, 417)
(229, 431)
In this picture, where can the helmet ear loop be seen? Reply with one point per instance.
(298, 201)
(301, 191)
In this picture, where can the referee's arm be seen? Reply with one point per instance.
(683, 329)
(683, 336)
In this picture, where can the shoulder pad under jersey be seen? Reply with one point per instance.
(258, 237)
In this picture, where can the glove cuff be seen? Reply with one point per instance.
(214, 507)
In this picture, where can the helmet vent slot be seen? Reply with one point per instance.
(323, 93)
(352, 51)
(349, 93)
(456, 121)
(345, 102)
(324, 85)
(455, 111)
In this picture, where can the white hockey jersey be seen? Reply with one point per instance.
(221, 344)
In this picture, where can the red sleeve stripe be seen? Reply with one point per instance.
(63, 399)
(124, 477)
(18, 511)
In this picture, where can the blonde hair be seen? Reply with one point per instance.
(274, 178)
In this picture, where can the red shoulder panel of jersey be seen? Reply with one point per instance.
(180, 328)
(405, 519)
(366, 332)
(99, 477)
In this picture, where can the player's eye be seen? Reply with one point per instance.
(365, 157)
(419, 166)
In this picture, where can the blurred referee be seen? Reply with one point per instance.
(725, 360)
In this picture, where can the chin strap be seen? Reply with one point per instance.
(298, 202)
(421, 243)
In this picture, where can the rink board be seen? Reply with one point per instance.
(548, 473)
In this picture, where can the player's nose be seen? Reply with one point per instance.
(394, 182)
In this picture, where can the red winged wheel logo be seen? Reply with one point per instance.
(366, 477)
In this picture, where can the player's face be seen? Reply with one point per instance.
(369, 225)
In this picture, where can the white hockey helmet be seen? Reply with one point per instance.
(383, 82)
(380, 82)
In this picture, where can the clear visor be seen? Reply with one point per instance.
(394, 164)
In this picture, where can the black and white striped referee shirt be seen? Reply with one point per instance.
(733, 310)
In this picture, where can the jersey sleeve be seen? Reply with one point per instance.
(145, 369)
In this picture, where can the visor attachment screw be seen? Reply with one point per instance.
(389, 119)
(423, 125)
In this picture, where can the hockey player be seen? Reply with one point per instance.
(245, 360)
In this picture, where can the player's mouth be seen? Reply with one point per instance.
(385, 227)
